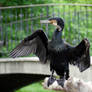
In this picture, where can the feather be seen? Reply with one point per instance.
(35, 43)
(79, 55)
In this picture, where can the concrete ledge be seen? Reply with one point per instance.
(21, 66)
(28, 66)
(23, 59)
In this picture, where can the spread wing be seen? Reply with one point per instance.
(35, 43)
(79, 55)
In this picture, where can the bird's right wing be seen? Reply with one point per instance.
(79, 55)
(35, 43)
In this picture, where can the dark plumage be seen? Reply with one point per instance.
(57, 51)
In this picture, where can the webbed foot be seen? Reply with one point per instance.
(61, 82)
(51, 80)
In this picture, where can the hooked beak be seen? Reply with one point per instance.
(45, 21)
(49, 21)
(53, 22)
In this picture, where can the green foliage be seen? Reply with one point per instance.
(22, 2)
(76, 26)
(36, 87)
(26, 2)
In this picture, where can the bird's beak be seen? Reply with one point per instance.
(53, 22)
(49, 21)
(45, 21)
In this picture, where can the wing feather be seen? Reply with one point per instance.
(35, 43)
(80, 55)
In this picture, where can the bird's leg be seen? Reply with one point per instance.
(67, 74)
(52, 74)
(64, 77)
(52, 70)
(51, 79)
(61, 81)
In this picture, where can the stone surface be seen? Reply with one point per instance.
(33, 66)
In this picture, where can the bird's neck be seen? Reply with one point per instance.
(57, 35)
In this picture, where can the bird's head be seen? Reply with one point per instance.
(58, 22)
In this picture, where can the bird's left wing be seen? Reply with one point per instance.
(35, 43)
(80, 55)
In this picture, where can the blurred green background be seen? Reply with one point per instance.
(37, 87)
(17, 21)
(26, 2)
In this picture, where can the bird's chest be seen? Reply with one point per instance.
(56, 46)
(57, 53)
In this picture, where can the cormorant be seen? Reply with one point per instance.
(57, 51)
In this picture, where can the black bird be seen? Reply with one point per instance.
(57, 51)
